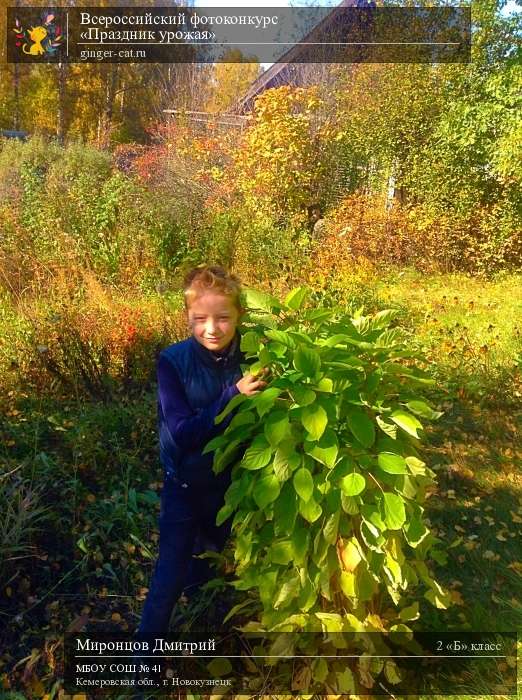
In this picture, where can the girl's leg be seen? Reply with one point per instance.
(209, 536)
(178, 530)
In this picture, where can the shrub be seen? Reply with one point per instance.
(328, 496)
(22, 515)
(361, 226)
(84, 338)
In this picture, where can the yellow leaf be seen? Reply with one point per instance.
(375, 622)
(350, 555)
(347, 581)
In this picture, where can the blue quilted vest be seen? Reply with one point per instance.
(204, 377)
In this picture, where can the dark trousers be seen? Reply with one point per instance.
(187, 526)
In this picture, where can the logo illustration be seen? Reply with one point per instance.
(41, 40)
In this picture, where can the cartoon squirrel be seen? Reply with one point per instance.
(36, 34)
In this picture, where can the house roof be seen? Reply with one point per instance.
(288, 70)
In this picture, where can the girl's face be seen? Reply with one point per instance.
(213, 319)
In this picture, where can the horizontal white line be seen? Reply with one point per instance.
(276, 43)
(300, 656)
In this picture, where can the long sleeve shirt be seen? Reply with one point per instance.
(194, 386)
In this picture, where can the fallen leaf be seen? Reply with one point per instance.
(488, 554)
(457, 598)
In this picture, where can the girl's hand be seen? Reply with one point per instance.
(251, 384)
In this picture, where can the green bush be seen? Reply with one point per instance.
(22, 516)
(328, 496)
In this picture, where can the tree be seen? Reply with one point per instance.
(230, 80)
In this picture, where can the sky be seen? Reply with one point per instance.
(510, 7)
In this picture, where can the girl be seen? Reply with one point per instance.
(196, 379)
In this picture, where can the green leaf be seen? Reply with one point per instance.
(250, 342)
(382, 319)
(223, 458)
(407, 422)
(303, 483)
(361, 426)
(258, 455)
(286, 460)
(264, 401)
(237, 490)
(319, 670)
(410, 613)
(365, 584)
(420, 408)
(224, 513)
(415, 531)
(266, 490)
(295, 299)
(345, 681)
(387, 428)
(391, 672)
(240, 419)
(277, 427)
(439, 598)
(289, 590)
(310, 510)
(349, 504)
(372, 515)
(394, 512)
(315, 420)
(231, 405)
(325, 450)
(219, 667)
(300, 545)
(285, 510)
(417, 467)
(281, 552)
(331, 527)
(353, 484)
(281, 337)
(218, 441)
(301, 395)
(307, 361)
(392, 463)
(325, 384)
(254, 299)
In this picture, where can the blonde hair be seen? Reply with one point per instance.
(211, 278)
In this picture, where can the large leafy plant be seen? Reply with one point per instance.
(327, 496)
